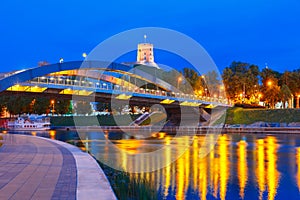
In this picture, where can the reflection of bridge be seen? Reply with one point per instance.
(102, 81)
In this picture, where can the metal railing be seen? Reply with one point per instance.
(119, 88)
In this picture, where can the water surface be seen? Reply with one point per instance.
(238, 167)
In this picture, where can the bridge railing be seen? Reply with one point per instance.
(120, 88)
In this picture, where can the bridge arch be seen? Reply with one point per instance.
(29, 74)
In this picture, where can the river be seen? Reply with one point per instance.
(247, 166)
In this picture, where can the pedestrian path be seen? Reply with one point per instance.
(39, 168)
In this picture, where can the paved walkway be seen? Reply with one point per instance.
(40, 168)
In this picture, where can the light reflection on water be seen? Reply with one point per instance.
(238, 167)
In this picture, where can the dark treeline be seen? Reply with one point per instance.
(19, 104)
(247, 84)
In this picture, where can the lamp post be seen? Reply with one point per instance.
(269, 83)
(179, 80)
(221, 91)
(259, 97)
(52, 102)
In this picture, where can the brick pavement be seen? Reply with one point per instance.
(39, 168)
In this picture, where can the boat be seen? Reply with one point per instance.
(29, 123)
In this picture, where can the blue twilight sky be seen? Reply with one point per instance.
(254, 31)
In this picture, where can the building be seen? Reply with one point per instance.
(145, 54)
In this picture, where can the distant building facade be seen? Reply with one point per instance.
(145, 53)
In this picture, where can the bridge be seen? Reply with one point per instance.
(105, 81)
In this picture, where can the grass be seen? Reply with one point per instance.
(126, 186)
(249, 116)
(234, 115)
(129, 187)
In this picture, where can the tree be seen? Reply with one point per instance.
(41, 105)
(272, 95)
(2, 104)
(101, 106)
(83, 107)
(241, 79)
(268, 74)
(63, 106)
(285, 94)
(17, 104)
(194, 81)
(212, 81)
(292, 80)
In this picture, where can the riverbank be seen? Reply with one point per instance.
(102, 120)
(273, 117)
(187, 130)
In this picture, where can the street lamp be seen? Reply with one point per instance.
(52, 102)
(259, 97)
(84, 55)
(179, 80)
(221, 91)
(269, 83)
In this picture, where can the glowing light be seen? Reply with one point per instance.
(272, 173)
(269, 83)
(130, 146)
(187, 103)
(298, 167)
(168, 168)
(224, 166)
(210, 106)
(260, 170)
(242, 166)
(52, 134)
(180, 179)
(123, 96)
